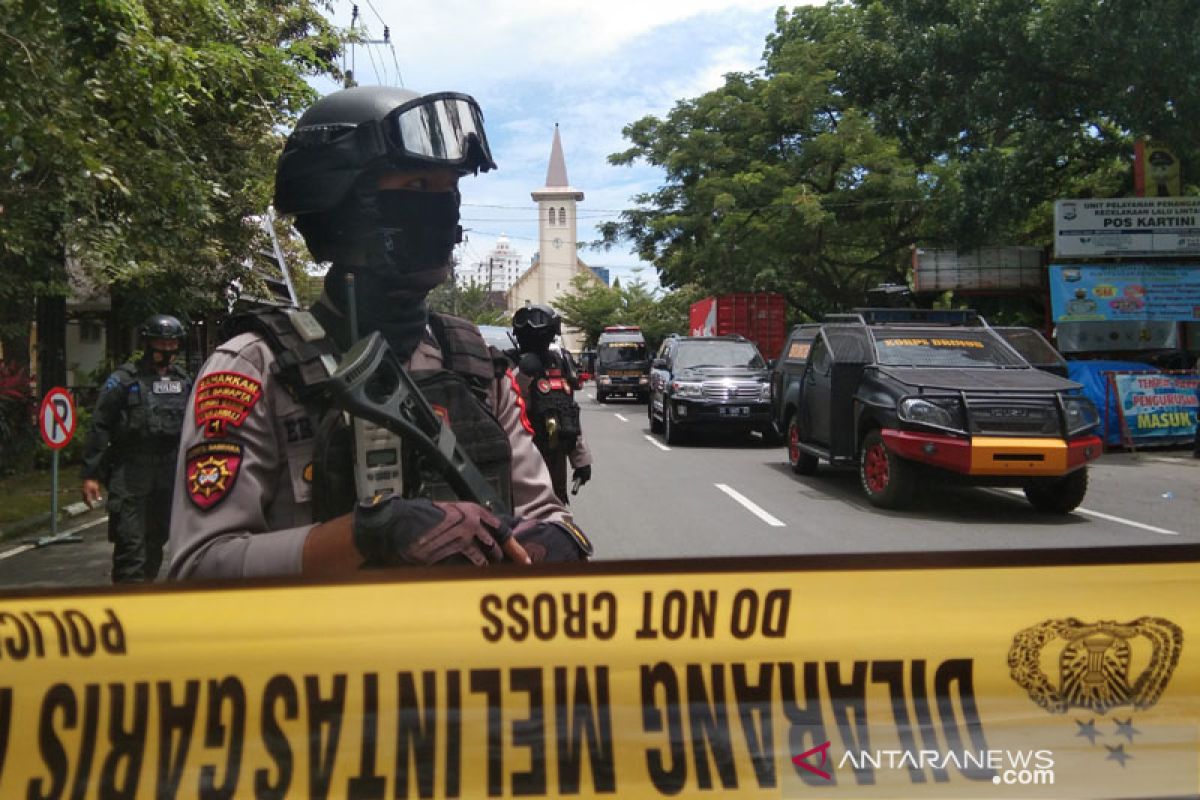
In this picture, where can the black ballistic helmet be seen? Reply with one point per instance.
(366, 130)
(161, 326)
(536, 326)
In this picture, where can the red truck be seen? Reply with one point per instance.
(759, 316)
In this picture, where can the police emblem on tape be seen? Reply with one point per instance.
(1095, 661)
(224, 399)
(212, 470)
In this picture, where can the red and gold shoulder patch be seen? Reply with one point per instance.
(224, 399)
(212, 470)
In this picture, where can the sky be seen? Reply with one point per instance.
(592, 67)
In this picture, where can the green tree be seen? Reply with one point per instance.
(1006, 106)
(590, 307)
(473, 301)
(139, 137)
(774, 183)
(872, 126)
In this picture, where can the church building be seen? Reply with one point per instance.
(557, 261)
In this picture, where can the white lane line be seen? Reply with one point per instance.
(657, 443)
(1169, 459)
(61, 534)
(750, 506)
(1100, 515)
(618, 416)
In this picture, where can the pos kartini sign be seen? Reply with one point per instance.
(1060, 673)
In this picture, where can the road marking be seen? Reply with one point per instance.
(618, 416)
(657, 443)
(62, 534)
(750, 506)
(1169, 459)
(1100, 515)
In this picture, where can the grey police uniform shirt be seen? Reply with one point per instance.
(243, 477)
(580, 455)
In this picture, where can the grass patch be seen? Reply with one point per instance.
(28, 493)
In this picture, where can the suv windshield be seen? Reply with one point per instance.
(718, 354)
(612, 353)
(943, 348)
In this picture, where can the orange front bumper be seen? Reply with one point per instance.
(995, 455)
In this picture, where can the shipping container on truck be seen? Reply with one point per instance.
(759, 316)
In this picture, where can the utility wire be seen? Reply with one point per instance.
(387, 39)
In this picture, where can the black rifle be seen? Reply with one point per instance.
(372, 384)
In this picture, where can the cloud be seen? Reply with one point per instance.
(591, 67)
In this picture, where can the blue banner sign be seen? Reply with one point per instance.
(1159, 406)
(1104, 292)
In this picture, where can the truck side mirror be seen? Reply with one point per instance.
(658, 363)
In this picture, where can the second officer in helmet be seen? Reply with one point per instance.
(131, 449)
(548, 382)
(271, 478)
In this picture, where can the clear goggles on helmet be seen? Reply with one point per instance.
(441, 129)
(532, 317)
(434, 130)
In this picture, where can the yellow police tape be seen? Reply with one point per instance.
(766, 679)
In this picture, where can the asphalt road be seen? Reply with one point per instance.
(733, 496)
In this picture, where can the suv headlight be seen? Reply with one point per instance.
(939, 412)
(685, 389)
(764, 392)
(1081, 413)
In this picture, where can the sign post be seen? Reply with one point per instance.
(56, 421)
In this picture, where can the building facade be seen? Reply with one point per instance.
(557, 263)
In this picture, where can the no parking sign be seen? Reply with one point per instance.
(56, 418)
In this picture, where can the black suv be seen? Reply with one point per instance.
(894, 390)
(708, 382)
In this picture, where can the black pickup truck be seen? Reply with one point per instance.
(895, 392)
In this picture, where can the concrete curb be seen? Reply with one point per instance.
(39, 521)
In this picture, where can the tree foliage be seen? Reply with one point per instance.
(872, 126)
(139, 136)
(589, 307)
(473, 301)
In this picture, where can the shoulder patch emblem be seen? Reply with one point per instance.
(223, 399)
(212, 471)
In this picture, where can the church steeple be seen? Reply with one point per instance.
(556, 172)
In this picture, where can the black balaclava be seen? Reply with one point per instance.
(398, 244)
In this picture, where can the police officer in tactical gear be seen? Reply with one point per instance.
(273, 479)
(131, 449)
(548, 382)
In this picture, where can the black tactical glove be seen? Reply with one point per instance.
(391, 531)
(551, 541)
(579, 477)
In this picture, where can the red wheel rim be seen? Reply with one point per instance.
(875, 468)
(794, 444)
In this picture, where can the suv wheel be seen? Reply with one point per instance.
(671, 431)
(802, 463)
(655, 425)
(1058, 495)
(887, 479)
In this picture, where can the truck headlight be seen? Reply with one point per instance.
(685, 389)
(764, 392)
(1081, 413)
(938, 412)
(642, 381)
(604, 379)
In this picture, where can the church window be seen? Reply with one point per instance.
(562, 216)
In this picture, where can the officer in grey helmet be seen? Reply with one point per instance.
(131, 449)
(548, 382)
(274, 479)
